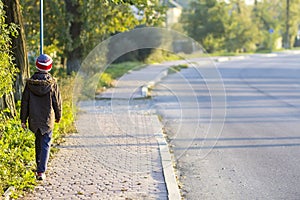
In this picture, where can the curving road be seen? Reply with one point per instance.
(257, 153)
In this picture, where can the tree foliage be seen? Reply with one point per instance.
(240, 33)
(291, 22)
(74, 27)
(203, 23)
(234, 26)
(7, 67)
(18, 45)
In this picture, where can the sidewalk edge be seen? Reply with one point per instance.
(146, 89)
(167, 165)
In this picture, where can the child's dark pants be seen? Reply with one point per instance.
(42, 150)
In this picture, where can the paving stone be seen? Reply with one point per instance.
(92, 162)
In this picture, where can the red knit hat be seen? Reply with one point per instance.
(44, 63)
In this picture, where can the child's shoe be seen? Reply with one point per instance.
(41, 176)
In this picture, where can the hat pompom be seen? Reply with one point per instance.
(44, 63)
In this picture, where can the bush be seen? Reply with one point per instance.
(17, 155)
(105, 80)
(66, 124)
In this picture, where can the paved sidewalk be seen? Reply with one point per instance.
(118, 153)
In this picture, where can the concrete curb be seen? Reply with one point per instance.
(229, 58)
(146, 89)
(267, 55)
(166, 158)
(168, 170)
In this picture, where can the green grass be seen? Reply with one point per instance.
(115, 71)
(296, 48)
(119, 69)
(176, 68)
(159, 56)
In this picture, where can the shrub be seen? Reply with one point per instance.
(66, 124)
(17, 156)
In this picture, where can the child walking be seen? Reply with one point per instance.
(41, 105)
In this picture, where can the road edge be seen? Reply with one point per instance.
(167, 166)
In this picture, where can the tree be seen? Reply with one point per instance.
(290, 21)
(7, 68)
(19, 51)
(234, 26)
(93, 21)
(55, 33)
(77, 26)
(267, 17)
(202, 26)
(75, 52)
(241, 34)
(204, 23)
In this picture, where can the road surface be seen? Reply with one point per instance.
(256, 155)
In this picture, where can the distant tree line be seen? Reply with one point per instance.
(234, 26)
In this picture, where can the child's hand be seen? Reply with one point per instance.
(23, 125)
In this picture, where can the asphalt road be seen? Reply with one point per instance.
(251, 153)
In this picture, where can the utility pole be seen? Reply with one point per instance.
(165, 3)
(287, 30)
(41, 27)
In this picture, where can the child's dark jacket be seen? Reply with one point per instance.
(41, 103)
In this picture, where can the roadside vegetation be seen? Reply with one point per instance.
(115, 71)
(176, 68)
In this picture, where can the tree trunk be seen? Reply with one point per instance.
(7, 101)
(74, 55)
(13, 15)
(74, 60)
